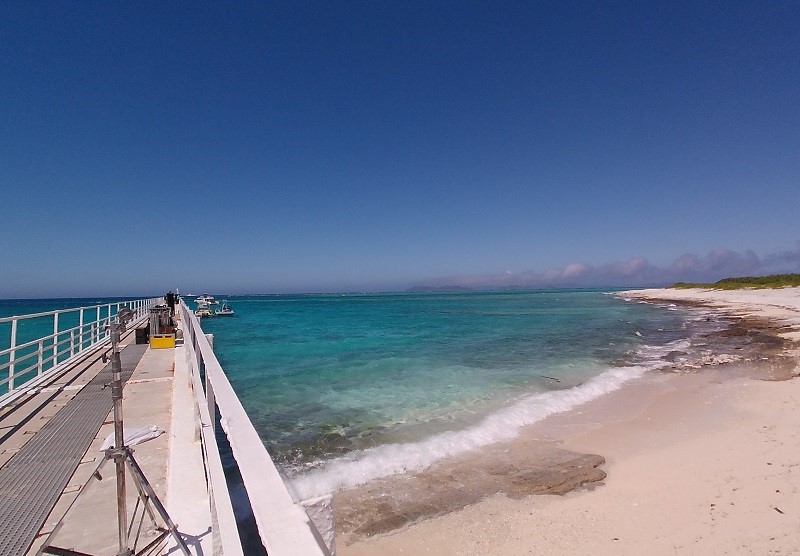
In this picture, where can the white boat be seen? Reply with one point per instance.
(204, 312)
(207, 299)
(225, 310)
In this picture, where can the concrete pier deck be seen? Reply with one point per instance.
(39, 433)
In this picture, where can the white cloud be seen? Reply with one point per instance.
(574, 270)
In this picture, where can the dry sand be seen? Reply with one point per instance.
(696, 465)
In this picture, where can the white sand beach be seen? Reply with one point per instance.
(697, 463)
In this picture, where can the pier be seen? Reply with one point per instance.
(55, 415)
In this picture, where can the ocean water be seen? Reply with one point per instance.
(347, 388)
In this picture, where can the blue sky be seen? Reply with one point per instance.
(278, 147)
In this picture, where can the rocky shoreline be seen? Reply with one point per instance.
(752, 346)
(515, 469)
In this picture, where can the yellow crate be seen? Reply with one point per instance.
(161, 341)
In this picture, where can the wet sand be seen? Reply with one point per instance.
(703, 457)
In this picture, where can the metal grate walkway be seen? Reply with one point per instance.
(32, 481)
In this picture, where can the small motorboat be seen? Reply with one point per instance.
(224, 311)
(204, 312)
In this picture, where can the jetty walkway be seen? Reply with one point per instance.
(53, 499)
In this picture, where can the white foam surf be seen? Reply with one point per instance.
(361, 466)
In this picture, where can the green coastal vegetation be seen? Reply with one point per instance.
(771, 281)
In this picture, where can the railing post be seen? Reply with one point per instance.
(97, 326)
(211, 401)
(72, 343)
(12, 355)
(80, 330)
(55, 339)
(40, 365)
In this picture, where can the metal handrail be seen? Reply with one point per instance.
(68, 310)
(55, 351)
(283, 524)
(49, 337)
(219, 496)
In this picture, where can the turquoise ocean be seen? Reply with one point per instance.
(347, 388)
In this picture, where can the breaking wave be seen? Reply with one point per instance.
(362, 466)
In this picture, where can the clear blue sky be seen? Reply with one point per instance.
(273, 147)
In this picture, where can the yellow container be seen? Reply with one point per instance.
(161, 341)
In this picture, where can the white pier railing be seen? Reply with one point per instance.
(284, 526)
(75, 331)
